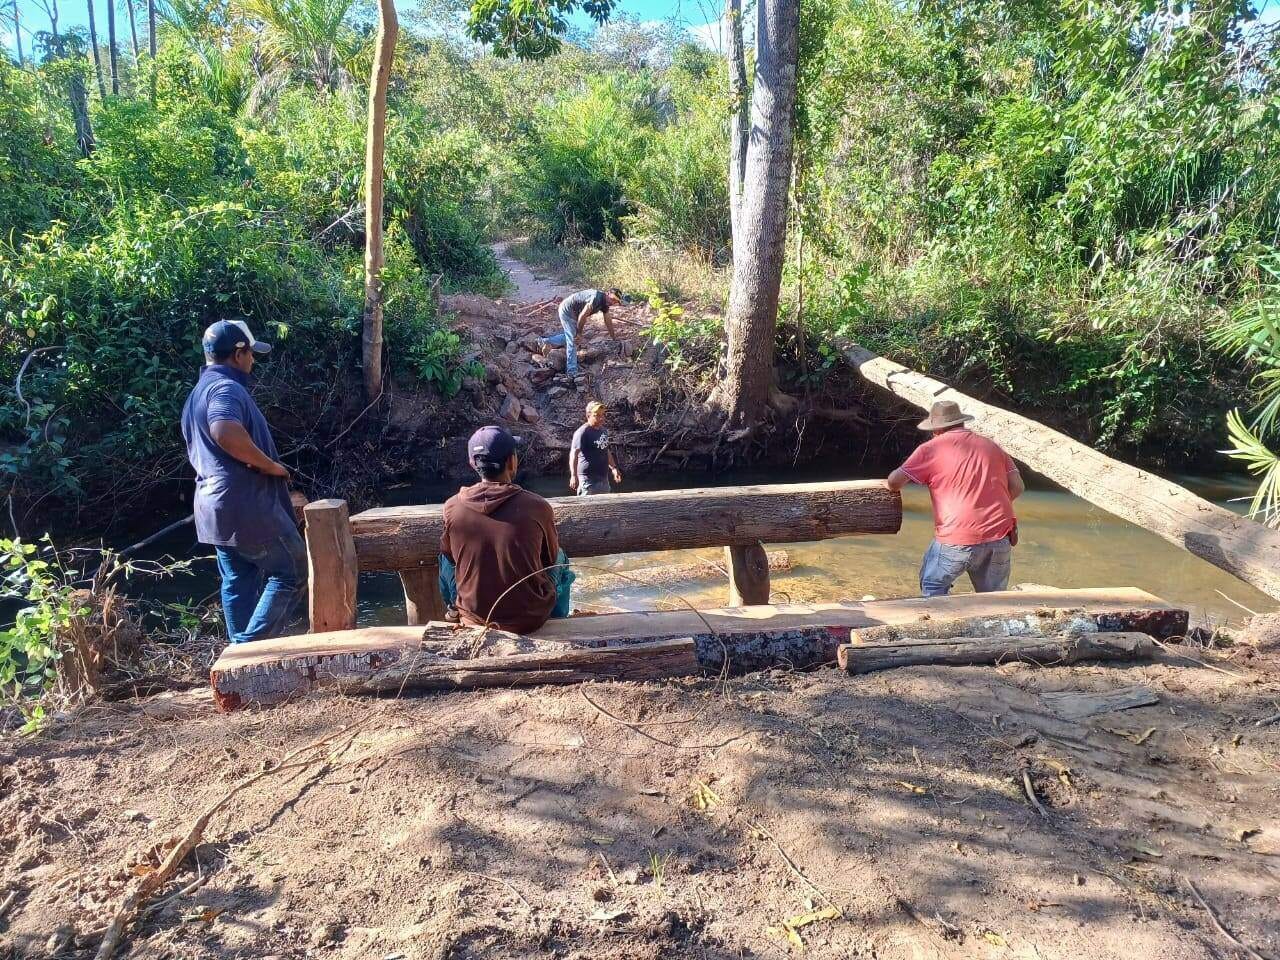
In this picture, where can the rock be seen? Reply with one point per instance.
(325, 933)
(502, 389)
(492, 376)
(522, 369)
(556, 359)
(541, 375)
(557, 391)
(531, 343)
(510, 410)
(529, 415)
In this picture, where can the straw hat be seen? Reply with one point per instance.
(945, 413)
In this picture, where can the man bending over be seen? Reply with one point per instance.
(574, 312)
(500, 559)
(972, 484)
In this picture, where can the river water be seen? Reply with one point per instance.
(1065, 542)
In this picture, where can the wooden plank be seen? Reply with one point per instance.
(331, 565)
(1077, 705)
(748, 575)
(751, 637)
(398, 538)
(1059, 650)
(1242, 547)
(422, 600)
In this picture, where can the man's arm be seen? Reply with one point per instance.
(232, 437)
(608, 324)
(613, 468)
(573, 462)
(1016, 486)
(583, 317)
(897, 480)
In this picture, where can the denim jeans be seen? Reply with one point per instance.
(589, 488)
(986, 563)
(261, 586)
(561, 575)
(566, 339)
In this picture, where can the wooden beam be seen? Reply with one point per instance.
(751, 638)
(398, 538)
(422, 600)
(1056, 650)
(1242, 547)
(331, 564)
(748, 568)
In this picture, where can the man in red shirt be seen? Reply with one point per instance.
(972, 484)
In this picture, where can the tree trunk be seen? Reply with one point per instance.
(17, 33)
(760, 247)
(79, 97)
(375, 144)
(111, 48)
(151, 45)
(93, 45)
(1242, 547)
(133, 32)
(739, 123)
(1053, 651)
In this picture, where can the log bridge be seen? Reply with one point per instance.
(739, 519)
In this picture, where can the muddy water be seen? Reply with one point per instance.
(1065, 542)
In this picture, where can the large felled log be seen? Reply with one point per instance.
(735, 639)
(669, 574)
(398, 538)
(1057, 650)
(1243, 548)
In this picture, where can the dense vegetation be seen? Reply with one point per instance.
(1067, 204)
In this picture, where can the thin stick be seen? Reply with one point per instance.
(1031, 795)
(1164, 646)
(8, 902)
(1268, 721)
(791, 864)
(153, 881)
(612, 875)
(499, 880)
(648, 736)
(1217, 924)
(1252, 613)
(17, 382)
(143, 544)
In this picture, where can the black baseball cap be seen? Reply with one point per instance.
(227, 336)
(492, 445)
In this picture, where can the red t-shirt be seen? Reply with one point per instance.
(968, 480)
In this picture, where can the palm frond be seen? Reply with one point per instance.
(1261, 462)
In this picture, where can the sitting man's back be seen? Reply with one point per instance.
(501, 542)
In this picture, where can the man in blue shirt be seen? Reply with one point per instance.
(242, 506)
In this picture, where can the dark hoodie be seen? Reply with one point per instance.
(496, 534)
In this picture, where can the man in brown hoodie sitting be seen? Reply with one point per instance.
(500, 559)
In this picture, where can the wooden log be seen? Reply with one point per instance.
(398, 538)
(332, 566)
(422, 600)
(734, 640)
(1242, 547)
(1038, 622)
(1056, 650)
(748, 575)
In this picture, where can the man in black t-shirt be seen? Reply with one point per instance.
(591, 462)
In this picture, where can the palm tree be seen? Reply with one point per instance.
(111, 48)
(312, 36)
(133, 33)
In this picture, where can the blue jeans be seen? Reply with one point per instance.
(589, 488)
(561, 576)
(986, 563)
(566, 340)
(261, 586)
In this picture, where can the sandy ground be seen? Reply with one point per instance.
(691, 823)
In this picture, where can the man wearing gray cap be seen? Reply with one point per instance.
(972, 484)
(241, 503)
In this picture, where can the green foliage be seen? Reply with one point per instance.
(530, 31)
(37, 154)
(29, 647)
(686, 341)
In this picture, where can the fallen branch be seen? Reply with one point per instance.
(1217, 924)
(499, 880)
(1031, 794)
(1268, 721)
(153, 881)
(648, 736)
(8, 902)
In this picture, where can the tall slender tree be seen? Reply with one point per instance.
(133, 32)
(93, 46)
(17, 31)
(151, 45)
(740, 104)
(375, 151)
(759, 247)
(111, 48)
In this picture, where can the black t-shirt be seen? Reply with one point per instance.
(591, 447)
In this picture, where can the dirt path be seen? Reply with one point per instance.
(530, 287)
(513, 824)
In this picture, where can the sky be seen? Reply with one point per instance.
(700, 17)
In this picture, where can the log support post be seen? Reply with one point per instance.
(422, 600)
(331, 566)
(748, 575)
